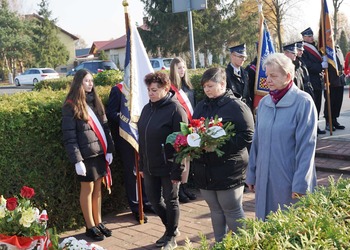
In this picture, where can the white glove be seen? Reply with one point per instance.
(324, 65)
(80, 168)
(325, 58)
(109, 158)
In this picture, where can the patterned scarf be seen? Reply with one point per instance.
(277, 94)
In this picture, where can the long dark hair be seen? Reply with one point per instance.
(76, 97)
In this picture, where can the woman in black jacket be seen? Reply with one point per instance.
(159, 118)
(221, 179)
(89, 146)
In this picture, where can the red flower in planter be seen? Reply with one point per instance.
(11, 203)
(27, 192)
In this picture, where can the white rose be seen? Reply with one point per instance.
(28, 217)
(2, 212)
(2, 201)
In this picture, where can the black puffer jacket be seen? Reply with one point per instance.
(79, 139)
(157, 121)
(220, 173)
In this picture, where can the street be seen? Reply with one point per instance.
(11, 89)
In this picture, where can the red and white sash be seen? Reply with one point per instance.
(97, 128)
(312, 50)
(184, 101)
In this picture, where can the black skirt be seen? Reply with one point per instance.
(95, 169)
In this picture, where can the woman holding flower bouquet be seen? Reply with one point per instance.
(89, 145)
(221, 178)
(159, 118)
(281, 164)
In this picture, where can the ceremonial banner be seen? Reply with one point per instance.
(264, 49)
(134, 91)
(325, 37)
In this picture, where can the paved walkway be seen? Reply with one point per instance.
(332, 159)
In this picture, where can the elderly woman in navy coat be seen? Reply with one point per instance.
(281, 162)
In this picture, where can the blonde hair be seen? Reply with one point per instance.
(175, 78)
(281, 62)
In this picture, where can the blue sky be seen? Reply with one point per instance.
(104, 19)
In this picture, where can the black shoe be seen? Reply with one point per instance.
(190, 195)
(95, 234)
(328, 128)
(161, 241)
(338, 126)
(104, 230)
(170, 243)
(137, 217)
(183, 198)
(320, 132)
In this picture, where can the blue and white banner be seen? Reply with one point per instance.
(134, 91)
(265, 48)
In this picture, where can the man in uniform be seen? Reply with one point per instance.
(236, 76)
(127, 154)
(315, 64)
(305, 73)
(290, 50)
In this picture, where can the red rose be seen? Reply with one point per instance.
(27, 192)
(11, 203)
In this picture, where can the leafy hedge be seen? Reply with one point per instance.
(320, 220)
(32, 154)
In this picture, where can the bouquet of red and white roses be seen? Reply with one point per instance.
(21, 224)
(199, 136)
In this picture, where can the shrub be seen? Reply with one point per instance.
(320, 220)
(54, 84)
(108, 77)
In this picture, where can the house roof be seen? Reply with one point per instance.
(31, 16)
(113, 44)
(97, 45)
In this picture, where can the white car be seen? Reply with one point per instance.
(35, 75)
(160, 63)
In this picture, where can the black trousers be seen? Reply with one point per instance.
(127, 153)
(336, 101)
(318, 100)
(163, 195)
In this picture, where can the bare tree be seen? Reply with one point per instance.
(276, 12)
(336, 5)
(81, 43)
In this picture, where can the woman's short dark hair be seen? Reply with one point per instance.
(162, 79)
(214, 74)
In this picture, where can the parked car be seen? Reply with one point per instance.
(94, 66)
(35, 75)
(160, 63)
